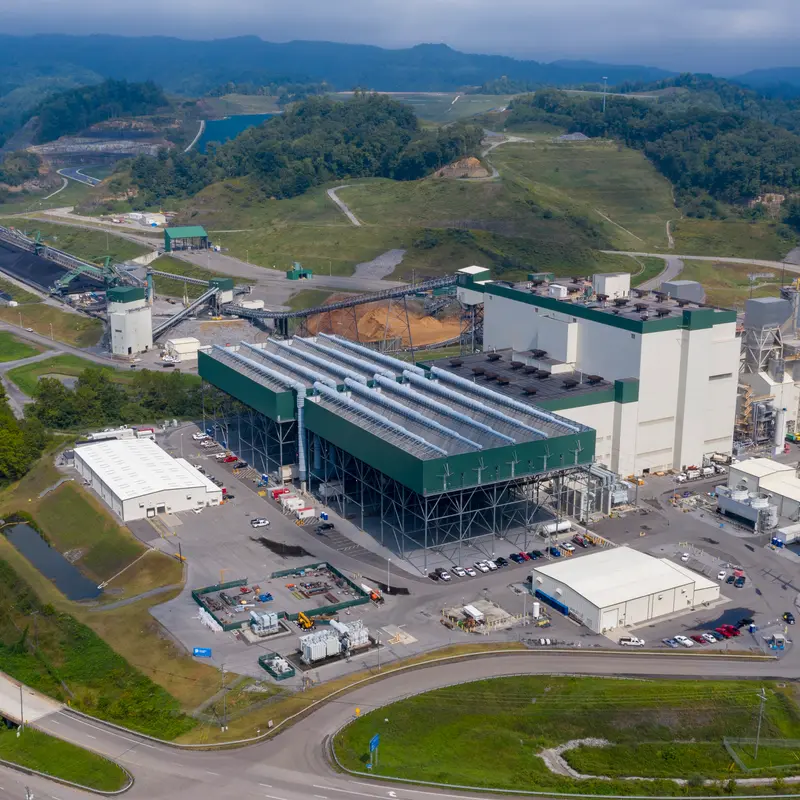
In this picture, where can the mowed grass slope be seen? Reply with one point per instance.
(13, 349)
(490, 733)
(730, 285)
(27, 376)
(68, 327)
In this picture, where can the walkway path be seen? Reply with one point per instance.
(197, 136)
(342, 205)
(63, 186)
(135, 599)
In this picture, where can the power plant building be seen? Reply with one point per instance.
(130, 320)
(655, 377)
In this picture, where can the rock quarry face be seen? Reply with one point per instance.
(464, 168)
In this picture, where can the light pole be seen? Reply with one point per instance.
(51, 332)
(605, 88)
(181, 445)
(224, 701)
(388, 567)
(761, 696)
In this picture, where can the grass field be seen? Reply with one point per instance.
(52, 756)
(176, 288)
(12, 349)
(17, 293)
(443, 107)
(649, 267)
(27, 376)
(74, 194)
(88, 245)
(489, 733)
(736, 238)
(600, 179)
(728, 285)
(70, 328)
(308, 298)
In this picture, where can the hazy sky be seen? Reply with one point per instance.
(724, 36)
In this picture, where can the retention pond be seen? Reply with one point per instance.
(67, 577)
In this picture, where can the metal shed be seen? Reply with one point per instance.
(185, 238)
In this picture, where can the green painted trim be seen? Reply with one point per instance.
(225, 284)
(575, 400)
(626, 390)
(707, 318)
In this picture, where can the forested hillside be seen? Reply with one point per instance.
(316, 141)
(708, 155)
(76, 109)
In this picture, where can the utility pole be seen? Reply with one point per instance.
(224, 701)
(605, 89)
(379, 654)
(763, 697)
(21, 713)
(388, 567)
(52, 338)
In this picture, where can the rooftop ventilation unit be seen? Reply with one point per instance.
(543, 375)
(529, 390)
(516, 365)
(493, 357)
(644, 316)
(456, 362)
(640, 306)
(577, 279)
(478, 370)
(528, 370)
(615, 311)
(594, 379)
(570, 383)
(662, 312)
(640, 292)
(682, 303)
(503, 381)
(602, 298)
(661, 295)
(620, 301)
(538, 353)
(537, 282)
(490, 376)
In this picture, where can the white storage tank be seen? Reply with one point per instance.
(255, 305)
(557, 290)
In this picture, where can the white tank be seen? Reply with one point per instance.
(536, 609)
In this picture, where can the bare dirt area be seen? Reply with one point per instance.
(380, 267)
(464, 168)
(381, 321)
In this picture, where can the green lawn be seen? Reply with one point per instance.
(176, 288)
(13, 349)
(439, 106)
(735, 237)
(27, 376)
(728, 285)
(649, 268)
(74, 194)
(308, 298)
(17, 293)
(89, 245)
(489, 733)
(72, 663)
(43, 753)
(64, 326)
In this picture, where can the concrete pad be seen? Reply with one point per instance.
(34, 706)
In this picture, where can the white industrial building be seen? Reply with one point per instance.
(137, 479)
(655, 376)
(620, 587)
(184, 348)
(775, 485)
(130, 320)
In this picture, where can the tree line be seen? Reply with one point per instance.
(19, 166)
(74, 110)
(704, 152)
(285, 91)
(97, 399)
(21, 441)
(315, 141)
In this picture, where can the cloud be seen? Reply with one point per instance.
(720, 35)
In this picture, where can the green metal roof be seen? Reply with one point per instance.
(125, 294)
(186, 232)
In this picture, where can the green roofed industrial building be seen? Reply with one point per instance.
(190, 237)
(416, 455)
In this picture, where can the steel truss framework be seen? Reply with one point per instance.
(260, 441)
(406, 521)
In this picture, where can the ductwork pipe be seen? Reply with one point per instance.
(470, 402)
(367, 366)
(409, 413)
(440, 408)
(338, 397)
(320, 363)
(308, 374)
(501, 399)
(395, 363)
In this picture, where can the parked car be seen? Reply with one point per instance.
(718, 637)
(524, 555)
(532, 555)
(744, 622)
(788, 618)
(501, 562)
(731, 629)
(685, 641)
(459, 572)
(726, 634)
(481, 567)
(228, 496)
(579, 540)
(471, 572)
(684, 557)
(240, 465)
(699, 638)
(555, 552)
(198, 437)
(433, 576)
(569, 548)
(730, 579)
(489, 563)
(739, 582)
(721, 575)
(710, 638)
(631, 641)
(670, 642)
(442, 573)
(537, 553)
(198, 467)
(516, 558)
(323, 527)
(229, 459)
(258, 522)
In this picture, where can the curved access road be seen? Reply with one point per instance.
(343, 207)
(292, 766)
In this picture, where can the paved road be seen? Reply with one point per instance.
(60, 347)
(342, 205)
(757, 262)
(292, 766)
(673, 266)
(76, 174)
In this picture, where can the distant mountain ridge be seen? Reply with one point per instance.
(193, 67)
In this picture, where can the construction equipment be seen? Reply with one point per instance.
(304, 622)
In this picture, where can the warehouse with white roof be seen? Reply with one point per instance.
(620, 587)
(137, 479)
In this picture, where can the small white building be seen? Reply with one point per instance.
(621, 587)
(137, 479)
(185, 348)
